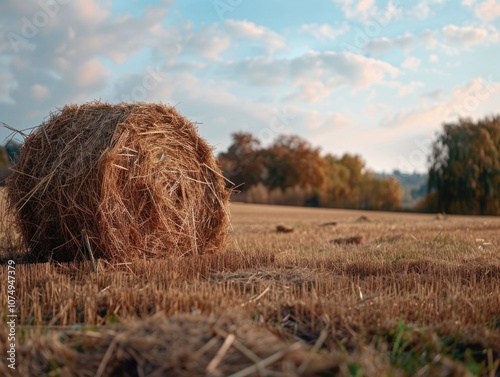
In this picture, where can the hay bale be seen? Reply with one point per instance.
(135, 180)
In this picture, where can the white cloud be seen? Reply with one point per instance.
(428, 37)
(39, 91)
(374, 109)
(313, 75)
(433, 95)
(467, 100)
(7, 83)
(65, 63)
(488, 10)
(367, 10)
(312, 91)
(411, 63)
(381, 45)
(433, 58)
(251, 32)
(92, 73)
(431, 39)
(336, 121)
(324, 31)
(90, 11)
(213, 103)
(209, 43)
(407, 89)
(448, 39)
(423, 9)
(346, 68)
(466, 35)
(357, 10)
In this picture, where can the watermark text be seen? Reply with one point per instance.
(11, 314)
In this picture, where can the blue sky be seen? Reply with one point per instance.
(374, 78)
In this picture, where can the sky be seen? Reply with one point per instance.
(369, 77)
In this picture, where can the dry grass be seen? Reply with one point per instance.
(180, 345)
(418, 296)
(119, 182)
(10, 238)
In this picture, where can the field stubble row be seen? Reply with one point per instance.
(439, 276)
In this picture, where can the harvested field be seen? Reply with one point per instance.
(419, 296)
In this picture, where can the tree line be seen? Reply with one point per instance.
(463, 173)
(291, 171)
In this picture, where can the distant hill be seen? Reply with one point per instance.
(414, 186)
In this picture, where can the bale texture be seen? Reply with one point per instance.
(125, 181)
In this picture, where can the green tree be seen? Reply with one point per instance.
(464, 174)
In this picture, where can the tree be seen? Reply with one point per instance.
(351, 186)
(293, 172)
(464, 174)
(337, 188)
(355, 166)
(380, 194)
(13, 149)
(242, 163)
(291, 161)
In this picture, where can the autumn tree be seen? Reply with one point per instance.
(351, 186)
(464, 174)
(291, 161)
(380, 194)
(293, 172)
(242, 163)
(355, 166)
(337, 188)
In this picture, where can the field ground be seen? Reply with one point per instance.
(419, 295)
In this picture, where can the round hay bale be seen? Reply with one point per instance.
(125, 181)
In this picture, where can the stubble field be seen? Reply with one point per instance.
(419, 295)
